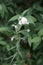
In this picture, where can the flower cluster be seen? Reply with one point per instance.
(23, 20)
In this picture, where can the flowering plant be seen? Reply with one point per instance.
(21, 32)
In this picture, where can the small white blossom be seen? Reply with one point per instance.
(14, 26)
(12, 38)
(23, 20)
(28, 30)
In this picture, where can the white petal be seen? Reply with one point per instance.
(20, 22)
(14, 26)
(28, 30)
(12, 38)
(23, 20)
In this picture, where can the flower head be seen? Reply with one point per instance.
(12, 38)
(14, 26)
(28, 30)
(23, 20)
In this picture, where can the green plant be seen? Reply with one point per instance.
(20, 43)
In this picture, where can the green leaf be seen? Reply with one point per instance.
(29, 40)
(41, 15)
(39, 26)
(31, 19)
(3, 42)
(14, 18)
(38, 7)
(38, 17)
(3, 29)
(18, 48)
(1, 10)
(36, 41)
(5, 64)
(13, 57)
(40, 33)
(27, 12)
(11, 10)
(25, 33)
(0, 7)
(18, 27)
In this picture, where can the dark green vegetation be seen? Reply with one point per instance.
(27, 47)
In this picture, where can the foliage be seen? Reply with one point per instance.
(21, 44)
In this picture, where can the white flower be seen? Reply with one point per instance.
(23, 20)
(28, 30)
(12, 38)
(14, 26)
